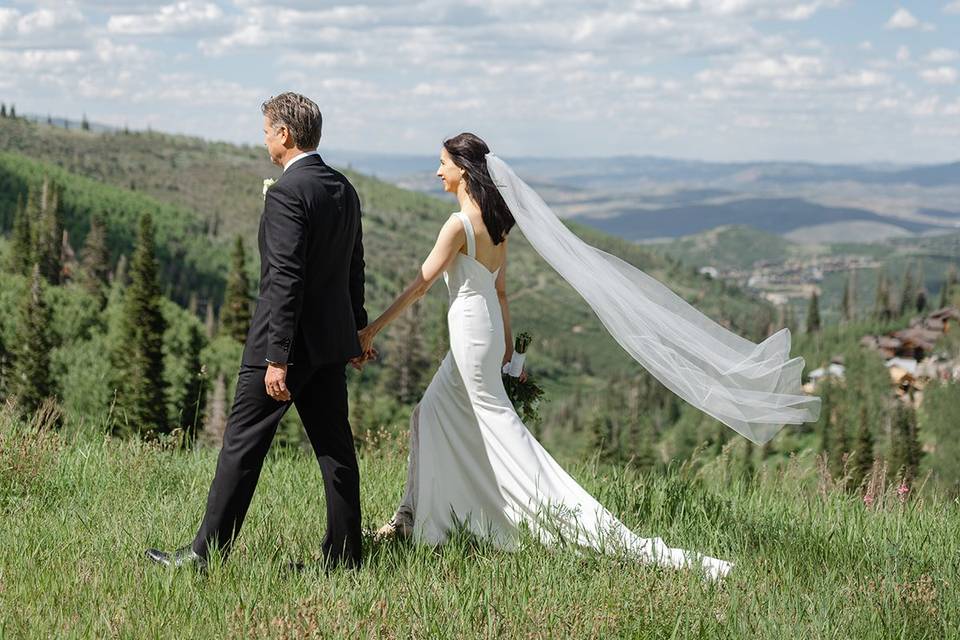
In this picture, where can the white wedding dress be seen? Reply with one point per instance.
(474, 464)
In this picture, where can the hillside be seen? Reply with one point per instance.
(742, 252)
(218, 186)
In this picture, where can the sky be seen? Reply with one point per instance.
(721, 80)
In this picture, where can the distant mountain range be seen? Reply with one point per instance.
(610, 172)
(773, 215)
(644, 198)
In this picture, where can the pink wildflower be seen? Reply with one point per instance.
(902, 491)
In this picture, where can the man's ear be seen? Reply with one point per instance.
(284, 134)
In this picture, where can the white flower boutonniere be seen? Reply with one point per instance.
(267, 183)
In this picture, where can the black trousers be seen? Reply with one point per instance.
(320, 395)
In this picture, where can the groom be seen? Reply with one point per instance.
(303, 333)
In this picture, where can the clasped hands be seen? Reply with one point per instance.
(368, 352)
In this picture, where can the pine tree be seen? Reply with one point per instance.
(139, 354)
(32, 382)
(881, 306)
(188, 401)
(20, 259)
(839, 442)
(905, 449)
(921, 302)
(825, 421)
(215, 421)
(210, 322)
(118, 278)
(410, 360)
(602, 433)
(946, 289)
(908, 292)
(84, 123)
(95, 259)
(846, 312)
(48, 246)
(235, 313)
(13, 111)
(3, 110)
(790, 319)
(643, 436)
(863, 450)
(813, 314)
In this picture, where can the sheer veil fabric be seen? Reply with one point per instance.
(752, 388)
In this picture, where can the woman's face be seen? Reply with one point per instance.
(449, 173)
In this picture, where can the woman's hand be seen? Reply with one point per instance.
(366, 336)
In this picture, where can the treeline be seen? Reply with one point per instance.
(101, 339)
(189, 262)
(12, 115)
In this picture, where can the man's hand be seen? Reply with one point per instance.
(358, 362)
(275, 382)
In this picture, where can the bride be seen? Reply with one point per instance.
(473, 463)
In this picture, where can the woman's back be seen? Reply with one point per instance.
(488, 254)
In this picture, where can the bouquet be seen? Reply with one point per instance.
(525, 395)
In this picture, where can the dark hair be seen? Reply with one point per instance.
(469, 153)
(299, 114)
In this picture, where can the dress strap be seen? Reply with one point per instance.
(468, 228)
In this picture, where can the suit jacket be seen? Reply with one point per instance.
(310, 304)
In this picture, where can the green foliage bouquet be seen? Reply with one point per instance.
(526, 394)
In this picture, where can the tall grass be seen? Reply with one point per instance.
(78, 508)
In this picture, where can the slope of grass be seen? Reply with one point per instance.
(77, 510)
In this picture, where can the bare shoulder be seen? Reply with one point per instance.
(453, 226)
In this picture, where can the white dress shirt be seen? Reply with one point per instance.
(289, 162)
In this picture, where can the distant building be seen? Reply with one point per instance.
(908, 353)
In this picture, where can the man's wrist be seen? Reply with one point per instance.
(276, 364)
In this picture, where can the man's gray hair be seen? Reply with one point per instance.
(299, 114)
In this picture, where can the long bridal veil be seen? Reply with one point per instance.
(752, 388)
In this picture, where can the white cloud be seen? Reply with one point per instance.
(903, 19)
(943, 55)
(863, 78)
(939, 75)
(39, 59)
(109, 52)
(953, 7)
(8, 19)
(789, 10)
(716, 78)
(903, 53)
(782, 72)
(184, 16)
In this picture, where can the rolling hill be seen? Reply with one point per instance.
(208, 192)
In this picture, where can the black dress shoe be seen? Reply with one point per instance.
(182, 557)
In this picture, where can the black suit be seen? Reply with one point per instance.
(308, 311)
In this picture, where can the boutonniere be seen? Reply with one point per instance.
(267, 183)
